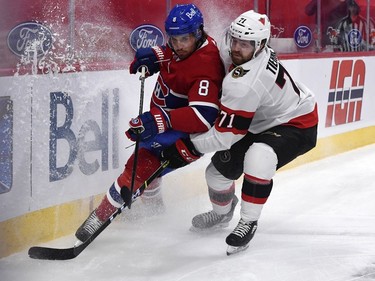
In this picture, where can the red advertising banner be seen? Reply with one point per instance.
(74, 35)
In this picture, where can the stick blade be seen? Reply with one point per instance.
(44, 253)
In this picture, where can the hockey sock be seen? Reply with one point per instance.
(255, 193)
(105, 209)
(147, 164)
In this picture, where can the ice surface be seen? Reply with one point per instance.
(318, 225)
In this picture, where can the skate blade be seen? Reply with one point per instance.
(217, 227)
(231, 250)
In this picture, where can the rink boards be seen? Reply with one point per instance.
(63, 142)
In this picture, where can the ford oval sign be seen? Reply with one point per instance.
(145, 36)
(302, 36)
(354, 38)
(28, 38)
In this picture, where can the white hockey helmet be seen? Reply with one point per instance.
(251, 26)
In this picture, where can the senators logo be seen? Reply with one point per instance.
(239, 72)
(346, 92)
(225, 156)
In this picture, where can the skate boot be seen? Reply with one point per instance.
(240, 237)
(89, 226)
(212, 220)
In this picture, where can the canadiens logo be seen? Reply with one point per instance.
(239, 72)
(145, 36)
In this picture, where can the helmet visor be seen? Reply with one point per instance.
(234, 42)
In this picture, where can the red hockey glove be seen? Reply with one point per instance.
(148, 124)
(181, 153)
(148, 57)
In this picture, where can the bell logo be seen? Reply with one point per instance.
(345, 92)
(6, 141)
(93, 136)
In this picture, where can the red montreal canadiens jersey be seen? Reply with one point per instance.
(257, 95)
(189, 89)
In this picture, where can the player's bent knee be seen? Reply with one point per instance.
(260, 161)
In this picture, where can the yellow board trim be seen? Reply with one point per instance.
(17, 234)
(43, 225)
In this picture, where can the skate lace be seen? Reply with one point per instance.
(211, 217)
(242, 228)
(92, 223)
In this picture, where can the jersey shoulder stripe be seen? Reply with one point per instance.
(235, 121)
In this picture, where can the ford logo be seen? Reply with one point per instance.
(302, 36)
(145, 36)
(28, 38)
(354, 38)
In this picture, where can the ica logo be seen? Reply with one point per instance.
(345, 92)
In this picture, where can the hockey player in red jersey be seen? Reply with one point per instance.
(266, 120)
(185, 100)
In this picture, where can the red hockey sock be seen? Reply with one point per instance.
(147, 164)
(105, 209)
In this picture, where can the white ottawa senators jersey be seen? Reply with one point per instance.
(257, 95)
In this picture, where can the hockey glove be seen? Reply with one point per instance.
(148, 57)
(181, 153)
(148, 124)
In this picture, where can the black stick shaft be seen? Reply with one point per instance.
(136, 149)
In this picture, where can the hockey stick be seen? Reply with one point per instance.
(45, 253)
(136, 149)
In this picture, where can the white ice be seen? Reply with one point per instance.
(318, 225)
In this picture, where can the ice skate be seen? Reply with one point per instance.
(211, 220)
(240, 237)
(89, 226)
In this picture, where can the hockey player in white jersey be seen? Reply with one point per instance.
(266, 120)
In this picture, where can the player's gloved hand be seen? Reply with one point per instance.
(148, 57)
(181, 153)
(148, 124)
